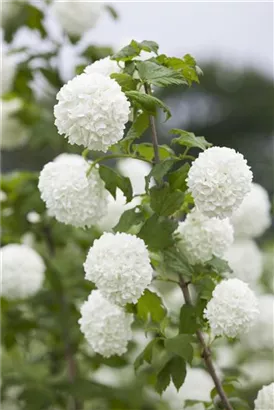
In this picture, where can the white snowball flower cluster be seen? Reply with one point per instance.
(265, 398)
(79, 17)
(13, 134)
(245, 259)
(136, 170)
(104, 66)
(70, 195)
(233, 309)
(261, 335)
(7, 71)
(218, 180)
(105, 325)
(92, 111)
(201, 237)
(119, 266)
(253, 217)
(22, 271)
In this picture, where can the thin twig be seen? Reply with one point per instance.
(153, 129)
(206, 353)
(113, 156)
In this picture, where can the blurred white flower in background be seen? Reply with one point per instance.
(28, 239)
(13, 133)
(106, 326)
(253, 216)
(261, 335)
(201, 237)
(219, 179)
(3, 196)
(119, 265)
(33, 217)
(70, 195)
(245, 259)
(233, 309)
(22, 271)
(92, 111)
(77, 17)
(7, 70)
(265, 398)
(136, 170)
(105, 67)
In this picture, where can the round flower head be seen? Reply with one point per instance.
(119, 266)
(218, 180)
(232, 310)
(265, 398)
(136, 170)
(22, 271)
(261, 337)
(253, 217)
(79, 17)
(92, 111)
(7, 71)
(105, 66)
(105, 325)
(70, 195)
(245, 259)
(13, 134)
(201, 237)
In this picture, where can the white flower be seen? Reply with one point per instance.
(92, 111)
(233, 308)
(33, 217)
(218, 180)
(136, 170)
(105, 325)
(13, 133)
(77, 17)
(119, 266)
(104, 66)
(70, 195)
(265, 398)
(261, 335)
(201, 237)
(7, 71)
(3, 196)
(253, 217)
(245, 259)
(22, 271)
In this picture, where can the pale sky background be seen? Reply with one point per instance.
(238, 32)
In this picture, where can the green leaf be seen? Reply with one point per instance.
(177, 179)
(186, 66)
(133, 50)
(164, 201)
(181, 346)
(188, 139)
(159, 171)
(112, 11)
(158, 75)
(150, 305)
(163, 379)
(125, 81)
(147, 103)
(219, 265)
(52, 76)
(188, 324)
(138, 127)
(146, 354)
(146, 151)
(177, 367)
(94, 53)
(157, 232)
(113, 181)
(34, 19)
(176, 262)
(129, 218)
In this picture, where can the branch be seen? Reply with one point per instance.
(111, 156)
(153, 129)
(206, 354)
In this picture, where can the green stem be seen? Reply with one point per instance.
(113, 156)
(153, 129)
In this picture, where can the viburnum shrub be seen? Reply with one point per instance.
(109, 239)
